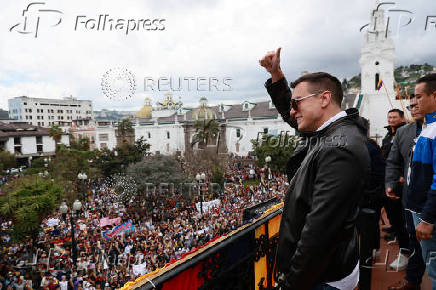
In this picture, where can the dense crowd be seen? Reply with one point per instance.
(165, 227)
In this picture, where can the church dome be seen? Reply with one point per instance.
(146, 110)
(203, 112)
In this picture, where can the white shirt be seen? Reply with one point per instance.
(339, 115)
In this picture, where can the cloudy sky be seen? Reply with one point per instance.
(211, 39)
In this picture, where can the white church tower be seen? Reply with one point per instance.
(377, 63)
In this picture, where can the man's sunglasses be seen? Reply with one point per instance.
(294, 101)
(410, 107)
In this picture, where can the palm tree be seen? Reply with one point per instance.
(125, 127)
(56, 133)
(205, 131)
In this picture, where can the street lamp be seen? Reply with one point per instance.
(82, 177)
(267, 161)
(200, 179)
(63, 208)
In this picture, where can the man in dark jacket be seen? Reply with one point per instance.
(395, 121)
(318, 245)
(397, 166)
(394, 208)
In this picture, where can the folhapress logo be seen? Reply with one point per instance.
(35, 15)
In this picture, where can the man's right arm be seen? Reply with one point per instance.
(277, 86)
(281, 94)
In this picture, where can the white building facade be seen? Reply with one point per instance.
(28, 141)
(49, 112)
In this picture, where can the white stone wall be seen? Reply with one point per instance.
(49, 143)
(111, 142)
(29, 146)
(252, 129)
(159, 140)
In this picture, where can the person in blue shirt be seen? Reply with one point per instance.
(421, 193)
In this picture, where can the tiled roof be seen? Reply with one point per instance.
(21, 129)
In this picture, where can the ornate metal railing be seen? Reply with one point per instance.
(243, 259)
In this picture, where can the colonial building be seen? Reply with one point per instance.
(170, 128)
(28, 141)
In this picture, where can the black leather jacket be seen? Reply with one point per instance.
(318, 238)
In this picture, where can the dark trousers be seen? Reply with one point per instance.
(369, 236)
(416, 266)
(395, 212)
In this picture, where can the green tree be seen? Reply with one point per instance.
(70, 162)
(28, 205)
(125, 127)
(218, 176)
(7, 160)
(205, 131)
(83, 144)
(279, 149)
(156, 170)
(56, 133)
(116, 161)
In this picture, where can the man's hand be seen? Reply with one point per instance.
(271, 62)
(391, 194)
(424, 231)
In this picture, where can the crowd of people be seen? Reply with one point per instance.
(162, 228)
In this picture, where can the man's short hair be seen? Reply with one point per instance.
(321, 81)
(401, 113)
(430, 82)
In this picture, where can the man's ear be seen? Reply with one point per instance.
(326, 99)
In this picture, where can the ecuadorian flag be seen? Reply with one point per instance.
(379, 85)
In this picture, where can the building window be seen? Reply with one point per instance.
(103, 145)
(38, 139)
(17, 141)
(103, 137)
(168, 135)
(265, 130)
(2, 145)
(39, 148)
(17, 149)
(238, 133)
(149, 135)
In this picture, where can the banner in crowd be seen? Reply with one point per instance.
(119, 230)
(108, 222)
(208, 205)
(139, 270)
(52, 222)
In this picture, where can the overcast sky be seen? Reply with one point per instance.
(201, 39)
